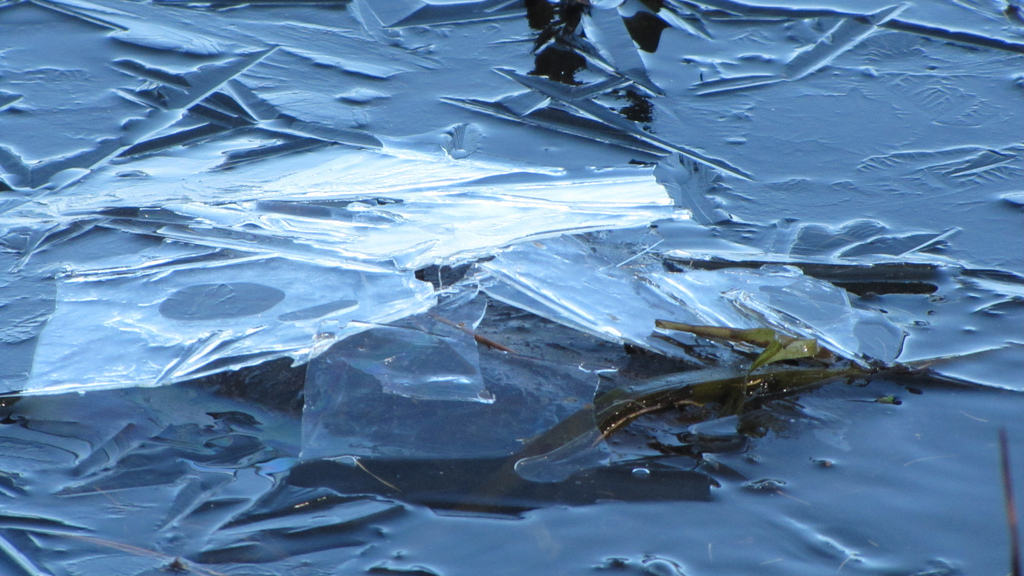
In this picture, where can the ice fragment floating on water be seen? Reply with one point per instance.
(211, 143)
(569, 281)
(784, 299)
(426, 356)
(565, 281)
(421, 387)
(191, 322)
(185, 313)
(210, 284)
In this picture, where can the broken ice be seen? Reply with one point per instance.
(205, 286)
(569, 282)
(221, 190)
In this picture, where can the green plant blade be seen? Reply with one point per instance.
(776, 351)
(756, 336)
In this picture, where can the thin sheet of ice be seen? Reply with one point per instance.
(190, 317)
(420, 388)
(844, 36)
(969, 329)
(348, 414)
(369, 206)
(572, 282)
(962, 323)
(429, 356)
(204, 283)
(113, 309)
(782, 298)
(564, 280)
(325, 139)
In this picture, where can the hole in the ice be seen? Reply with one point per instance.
(645, 29)
(640, 109)
(539, 13)
(558, 64)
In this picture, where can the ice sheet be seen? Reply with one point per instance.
(158, 142)
(190, 187)
(784, 299)
(204, 283)
(564, 280)
(420, 388)
(570, 281)
(187, 317)
(429, 356)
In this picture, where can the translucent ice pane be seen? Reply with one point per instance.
(782, 297)
(349, 412)
(570, 282)
(567, 281)
(430, 356)
(183, 320)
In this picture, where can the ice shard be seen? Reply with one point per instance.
(568, 281)
(192, 322)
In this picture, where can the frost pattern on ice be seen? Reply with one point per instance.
(211, 188)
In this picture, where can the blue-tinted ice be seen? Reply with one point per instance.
(565, 280)
(229, 189)
(193, 188)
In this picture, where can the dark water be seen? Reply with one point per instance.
(304, 288)
(126, 481)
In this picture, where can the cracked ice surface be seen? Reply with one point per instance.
(566, 281)
(188, 188)
(286, 270)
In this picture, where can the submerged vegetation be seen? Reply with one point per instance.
(777, 347)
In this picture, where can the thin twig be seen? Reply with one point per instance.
(378, 478)
(491, 343)
(479, 339)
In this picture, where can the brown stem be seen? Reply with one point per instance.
(479, 339)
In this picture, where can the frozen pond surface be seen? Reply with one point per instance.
(397, 287)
